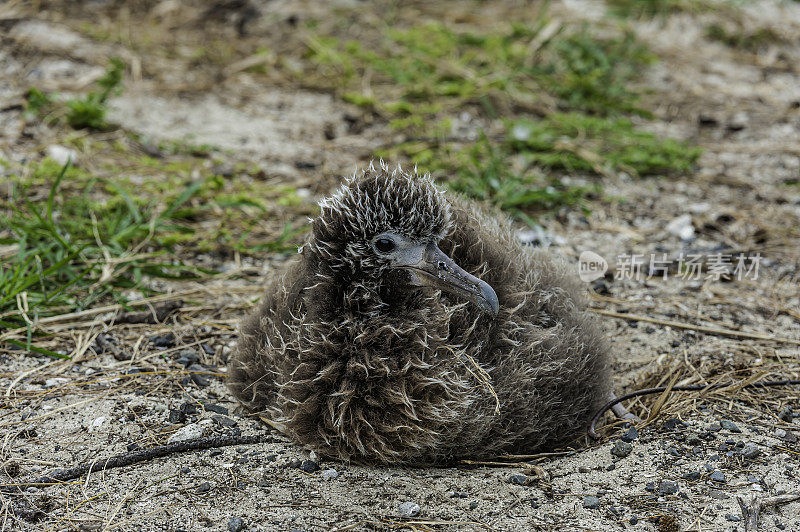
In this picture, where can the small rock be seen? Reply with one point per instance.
(621, 449)
(187, 357)
(235, 524)
(309, 466)
(693, 439)
(693, 475)
(650, 486)
(630, 435)
(408, 509)
(61, 155)
(717, 494)
(714, 427)
(786, 414)
(223, 421)
(667, 487)
(329, 474)
(591, 502)
(733, 518)
(473, 505)
(750, 451)
(517, 479)
(176, 416)
(205, 487)
(729, 425)
(200, 380)
(681, 227)
(215, 408)
(189, 409)
(187, 432)
(718, 476)
(738, 121)
(163, 340)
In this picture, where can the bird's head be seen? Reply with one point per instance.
(384, 226)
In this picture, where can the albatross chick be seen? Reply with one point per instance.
(413, 328)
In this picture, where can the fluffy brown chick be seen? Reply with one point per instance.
(414, 328)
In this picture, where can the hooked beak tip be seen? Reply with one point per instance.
(489, 298)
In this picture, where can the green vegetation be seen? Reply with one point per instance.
(88, 111)
(652, 8)
(70, 238)
(751, 41)
(563, 93)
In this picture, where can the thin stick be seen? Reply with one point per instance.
(750, 512)
(700, 328)
(143, 455)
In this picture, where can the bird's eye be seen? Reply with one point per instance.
(384, 245)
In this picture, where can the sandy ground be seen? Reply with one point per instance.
(685, 469)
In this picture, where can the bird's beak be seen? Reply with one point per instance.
(436, 269)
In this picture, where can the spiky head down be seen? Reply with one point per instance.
(373, 201)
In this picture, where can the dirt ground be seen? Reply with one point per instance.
(688, 465)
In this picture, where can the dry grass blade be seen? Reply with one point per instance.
(699, 328)
(662, 399)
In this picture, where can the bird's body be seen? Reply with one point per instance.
(398, 357)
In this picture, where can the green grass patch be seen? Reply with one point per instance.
(88, 111)
(653, 8)
(576, 142)
(565, 95)
(409, 69)
(71, 239)
(751, 41)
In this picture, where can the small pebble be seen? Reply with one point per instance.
(198, 378)
(786, 414)
(187, 432)
(215, 408)
(223, 421)
(750, 451)
(203, 488)
(591, 502)
(329, 474)
(163, 340)
(621, 449)
(630, 435)
(667, 487)
(176, 416)
(718, 476)
(235, 524)
(408, 509)
(693, 439)
(517, 479)
(309, 466)
(729, 425)
(62, 155)
(733, 518)
(694, 475)
(474, 505)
